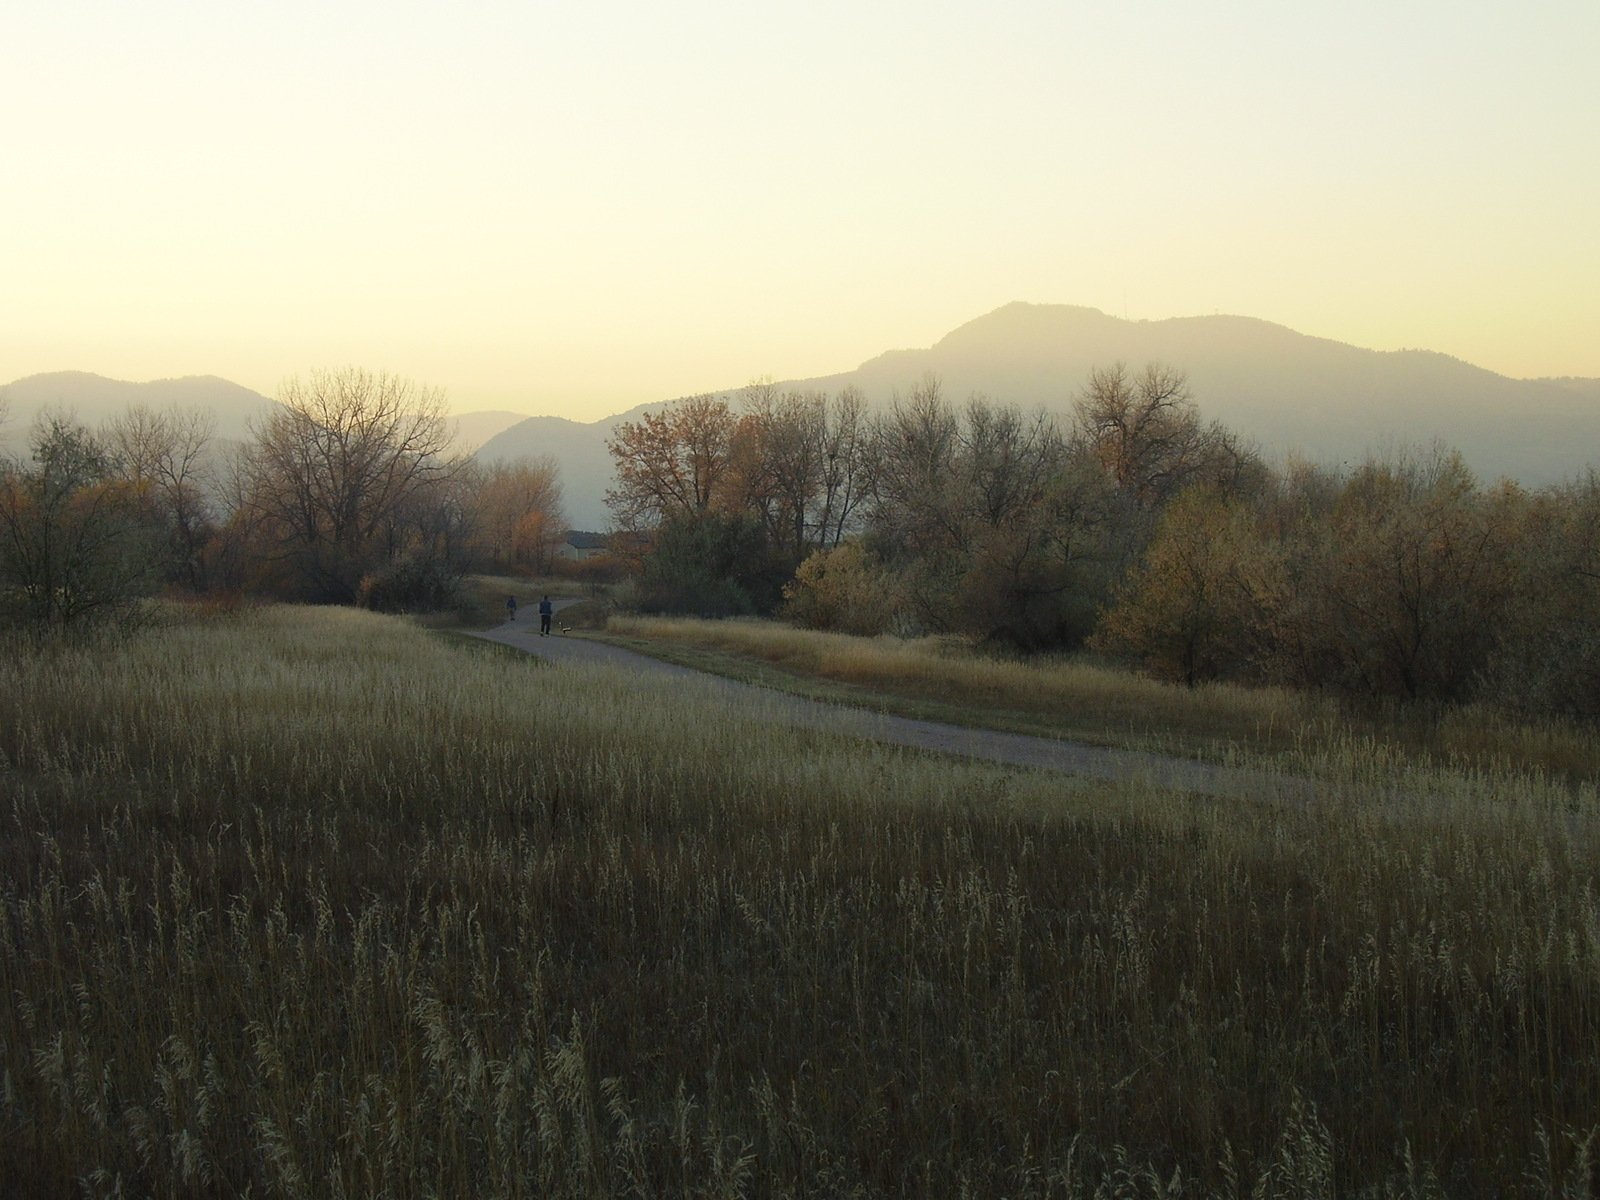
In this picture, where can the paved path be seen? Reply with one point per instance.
(1011, 748)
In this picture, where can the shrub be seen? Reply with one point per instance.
(410, 585)
(710, 565)
(844, 590)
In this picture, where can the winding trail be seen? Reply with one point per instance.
(1013, 749)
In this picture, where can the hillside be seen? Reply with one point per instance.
(93, 399)
(473, 429)
(579, 448)
(1286, 391)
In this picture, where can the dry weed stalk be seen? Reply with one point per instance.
(309, 903)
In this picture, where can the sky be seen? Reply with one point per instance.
(575, 208)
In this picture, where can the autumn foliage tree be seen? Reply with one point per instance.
(751, 493)
(676, 461)
(1395, 581)
(517, 513)
(843, 588)
(1185, 608)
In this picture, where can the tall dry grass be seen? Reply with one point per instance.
(1077, 699)
(308, 903)
(1087, 699)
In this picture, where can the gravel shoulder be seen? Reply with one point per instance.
(1073, 758)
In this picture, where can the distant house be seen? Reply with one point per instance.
(580, 545)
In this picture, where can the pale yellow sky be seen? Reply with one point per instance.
(576, 208)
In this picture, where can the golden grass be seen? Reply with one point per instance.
(948, 679)
(311, 903)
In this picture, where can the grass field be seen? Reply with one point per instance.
(945, 679)
(316, 903)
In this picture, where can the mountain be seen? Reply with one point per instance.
(92, 399)
(579, 448)
(473, 429)
(1285, 391)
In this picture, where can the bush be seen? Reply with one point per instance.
(844, 590)
(411, 585)
(1181, 610)
(710, 565)
(77, 542)
(1547, 657)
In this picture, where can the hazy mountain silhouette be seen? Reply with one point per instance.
(92, 399)
(473, 429)
(579, 448)
(1286, 391)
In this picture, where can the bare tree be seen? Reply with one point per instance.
(1146, 432)
(848, 465)
(163, 455)
(918, 446)
(804, 461)
(336, 470)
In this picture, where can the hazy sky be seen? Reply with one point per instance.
(574, 208)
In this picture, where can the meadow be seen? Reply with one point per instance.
(1073, 696)
(317, 903)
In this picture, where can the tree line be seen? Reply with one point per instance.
(973, 518)
(1132, 527)
(348, 493)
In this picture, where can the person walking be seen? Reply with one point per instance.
(546, 610)
(511, 608)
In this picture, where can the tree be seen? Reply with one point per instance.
(679, 460)
(1184, 609)
(517, 512)
(1548, 656)
(842, 589)
(992, 520)
(1146, 432)
(75, 542)
(712, 565)
(338, 472)
(803, 462)
(162, 455)
(1392, 582)
(1417, 582)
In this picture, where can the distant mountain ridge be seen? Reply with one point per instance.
(1286, 391)
(473, 429)
(93, 399)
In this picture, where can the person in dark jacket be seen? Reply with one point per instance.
(546, 609)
